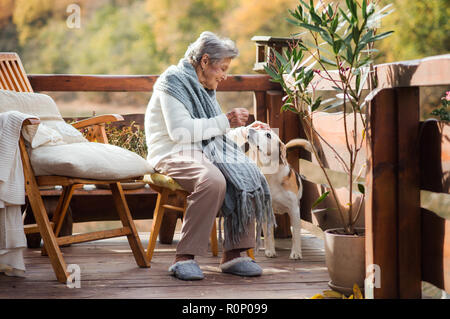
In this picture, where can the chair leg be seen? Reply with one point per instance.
(215, 248)
(214, 244)
(157, 219)
(60, 212)
(127, 221)
(47, 234)
(41, 217)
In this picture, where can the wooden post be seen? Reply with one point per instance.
(259, 106)
(408, 194)
(393, 220)
(275, 120)
(381, 194)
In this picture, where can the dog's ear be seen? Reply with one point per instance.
(282, 154)
(245, 147)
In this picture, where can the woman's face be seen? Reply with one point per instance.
(211, 73)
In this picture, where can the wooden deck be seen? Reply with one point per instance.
(108, 270)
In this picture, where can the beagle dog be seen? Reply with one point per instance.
(269, 153)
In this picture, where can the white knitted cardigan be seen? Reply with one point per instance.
(12, 194)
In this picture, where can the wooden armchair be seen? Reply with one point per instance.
(13, 78)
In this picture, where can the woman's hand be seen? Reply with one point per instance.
(237, 117)
(258, 125)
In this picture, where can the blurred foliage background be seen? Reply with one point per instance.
(146, 36)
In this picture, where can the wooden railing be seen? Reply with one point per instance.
(405, 157)
(408, 243)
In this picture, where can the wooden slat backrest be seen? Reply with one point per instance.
(12, 74)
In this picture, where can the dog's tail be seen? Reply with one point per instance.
(299, 142)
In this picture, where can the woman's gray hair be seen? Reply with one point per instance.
(216, 48)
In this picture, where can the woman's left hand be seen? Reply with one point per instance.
(258, 125)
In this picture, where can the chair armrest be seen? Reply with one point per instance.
(101, 119)
(31, 121)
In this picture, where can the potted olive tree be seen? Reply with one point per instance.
(336, 45)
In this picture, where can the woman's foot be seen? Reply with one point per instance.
(241, 266)
(183, 257)
(231, 254)
(233, 263)
(186, 268)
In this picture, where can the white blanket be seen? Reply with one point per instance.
(12, 194)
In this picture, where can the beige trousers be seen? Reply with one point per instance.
(206, 185)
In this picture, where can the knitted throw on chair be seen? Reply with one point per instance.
(247, 191)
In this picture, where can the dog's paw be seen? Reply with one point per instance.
(270, 253)
(296, 255)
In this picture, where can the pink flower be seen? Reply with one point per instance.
(447, 96)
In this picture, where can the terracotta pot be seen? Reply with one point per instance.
(345, 259)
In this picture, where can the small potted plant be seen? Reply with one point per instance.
(132, 138)
(338, 38)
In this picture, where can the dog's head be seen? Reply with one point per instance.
(268, 148)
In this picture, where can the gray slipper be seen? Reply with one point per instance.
(242, 266)
(186, 270)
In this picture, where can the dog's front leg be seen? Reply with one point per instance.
(296, 251)
(269, 241)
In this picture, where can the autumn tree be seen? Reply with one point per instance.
(177, 23)
(421, 29)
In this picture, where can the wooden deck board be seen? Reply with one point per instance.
(108, 270)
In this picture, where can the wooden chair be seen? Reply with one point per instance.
(13, 78)
(167, 187)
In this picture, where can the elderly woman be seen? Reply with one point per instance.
(189, 139)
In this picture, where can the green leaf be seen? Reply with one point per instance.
(337, 46)
(320, 199)
(280, 57)
(361, 189)
(311, 27)
(327, 37)
(349, 56)
(334, 23)
(316, 104)
(289, 107)
(345, 15)
(355, 34)
(364, 9)
(271, 73)
(317, 19)
(358, 81)
(330, 10)
(334, 105)
(351, 5)
(294, 22)
(366, 37)
(380, 36)
(327, 61)
(304, 3)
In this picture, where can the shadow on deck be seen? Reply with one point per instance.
(108, 270)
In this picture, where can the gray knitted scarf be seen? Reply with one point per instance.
(247, 191)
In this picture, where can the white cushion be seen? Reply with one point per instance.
(88, 160)
(42, 106)
(57, 148)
